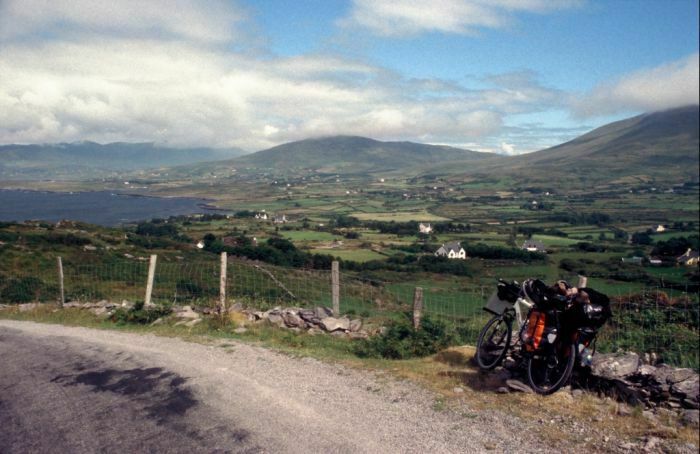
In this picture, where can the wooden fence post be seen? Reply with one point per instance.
(417, 307)
(151, 275)
(582, 281)
(335, 287)
(62, 296)
(222, 284)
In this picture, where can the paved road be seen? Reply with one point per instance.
(65, 389)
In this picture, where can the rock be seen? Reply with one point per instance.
(503, 390)
(689, 387)
(679, 375)
(236, 307)
(651, 444)
(614, 365)
(690, 417)
(127, 304)
(691, 403)
(102, 303)
(355, 325)
(240, 330)
(623, 410)
(314, 331)
(517, 385)
(291, 319)
(576, 392)
(502, 374)
(358, 335)
(323, 312)
(338, 333)
(307, 314)
(158, 321)
(275, 319)
(457, 390)
(98, 311)
(187, 312)
(332, 324)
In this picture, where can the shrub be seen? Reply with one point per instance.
(401, 341)
(139, 314)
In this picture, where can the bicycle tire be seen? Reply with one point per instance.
(560, 363)
(493, 342)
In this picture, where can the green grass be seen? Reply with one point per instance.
(356, 255)
(309, 235)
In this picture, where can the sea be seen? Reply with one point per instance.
(98, 207)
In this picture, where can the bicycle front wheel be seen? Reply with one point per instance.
(549, 370)
(493, 342)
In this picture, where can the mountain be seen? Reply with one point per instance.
(352, 154)
(83, 160)
(662, 145)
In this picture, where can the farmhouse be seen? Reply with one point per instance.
(660, 228)
(261, 215)
(425, 228)
(533, 246)
(690, 258)
(452, 251)
(280, 219)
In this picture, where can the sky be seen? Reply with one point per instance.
(505, 76)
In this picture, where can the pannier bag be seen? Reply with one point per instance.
(591, 314)
(535, 328)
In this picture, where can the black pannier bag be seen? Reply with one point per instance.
(544, 297)
(589, 315)
(508, 291)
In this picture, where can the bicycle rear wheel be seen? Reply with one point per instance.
(550, 369)
(493, 342)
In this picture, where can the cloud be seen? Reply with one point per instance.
(116, 89)
(670, 85)
(400, 18)
(507, 148)
(210, 21)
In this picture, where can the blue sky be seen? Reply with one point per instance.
(507, 76)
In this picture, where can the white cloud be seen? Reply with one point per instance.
(111, 89)
(670, 85)
(210, 21)
(410, 17)
(507, 148)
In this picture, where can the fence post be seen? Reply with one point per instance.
(335, 287)
(417, 307)
(62, 297)
(151, 275)
(222, 284)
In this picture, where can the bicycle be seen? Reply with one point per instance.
(567, 339)
(509, 303)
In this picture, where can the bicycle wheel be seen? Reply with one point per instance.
(493, 343)
(549, 370)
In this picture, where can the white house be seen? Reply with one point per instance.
(533, 246)
(280, 219)
(425, 228)
(660, 228)
(452, 251)
(261, 215)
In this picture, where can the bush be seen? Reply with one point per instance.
(401, 341)
(140, 315)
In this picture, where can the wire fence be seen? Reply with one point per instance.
(665, 321)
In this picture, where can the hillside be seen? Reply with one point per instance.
(660, 145)
(354, 154)
(84, 160)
